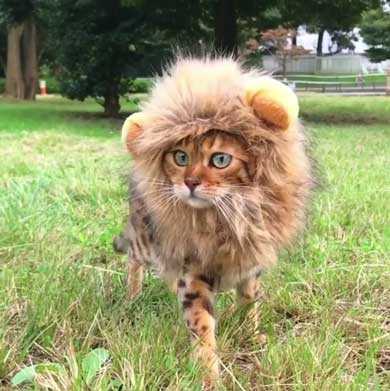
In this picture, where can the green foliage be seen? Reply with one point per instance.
(101, 48)
(93, 47)
(52, 85)
(332, 16)
(92, 362)
(336, 17)
(27, 374)
(90, 366)
(16, 11)
(375, 29)
(140, 86)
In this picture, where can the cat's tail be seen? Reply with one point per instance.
(121, 244)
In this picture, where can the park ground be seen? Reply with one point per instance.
(326, 306)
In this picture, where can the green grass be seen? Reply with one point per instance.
(345, 110)
(59, 115)
(63, 197)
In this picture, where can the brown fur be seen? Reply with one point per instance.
(196, 104)
(182, 106)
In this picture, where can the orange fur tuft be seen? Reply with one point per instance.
(270, 111)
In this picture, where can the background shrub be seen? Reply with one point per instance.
(52, 85)
(137, 86)
(140, 86)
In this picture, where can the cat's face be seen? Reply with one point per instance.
(206, 169)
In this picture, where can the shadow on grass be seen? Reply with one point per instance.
(345, 110)
(100, 116)
(344, 118)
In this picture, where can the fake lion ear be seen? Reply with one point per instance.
(131, 129)
(272, 101)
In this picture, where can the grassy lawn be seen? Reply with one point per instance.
(63, 197)
(345, 110)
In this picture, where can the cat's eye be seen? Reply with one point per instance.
(220, 160)
(181, 158)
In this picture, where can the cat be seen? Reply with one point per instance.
(220, 184)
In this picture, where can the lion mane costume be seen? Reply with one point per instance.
(195, 247)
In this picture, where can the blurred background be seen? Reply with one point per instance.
(109, 49)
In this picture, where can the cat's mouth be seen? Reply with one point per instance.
(192, 197)
(197, 202)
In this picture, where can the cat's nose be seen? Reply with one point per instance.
(192, 182)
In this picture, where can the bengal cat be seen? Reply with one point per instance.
(219, 185)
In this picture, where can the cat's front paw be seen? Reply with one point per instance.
(212, 377)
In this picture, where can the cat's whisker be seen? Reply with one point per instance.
(150, 194)
(162, 202)
(228, 215)
(160, 199)
(235, 218)
(166, 213)
(236, 209)
(235, 186)
(157, 190)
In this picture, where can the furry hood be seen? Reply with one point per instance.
(196, 95)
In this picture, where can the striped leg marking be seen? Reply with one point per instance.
(197, 299)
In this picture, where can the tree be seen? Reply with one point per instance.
(343, 40)
(225, 31)
(94, 46)
(279, 41)
(3, 48)
(375, 29)
(324, 15)
(232, 19)
(21, 64)
(100, 46)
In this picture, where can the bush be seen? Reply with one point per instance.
(52, 85)
(140, 86)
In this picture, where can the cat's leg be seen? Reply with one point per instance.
(134, 278)
(248, 294)
(197, 297)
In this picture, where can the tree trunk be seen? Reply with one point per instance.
(29, 55)
(294, 39)
(14, 82)
(22, 62)
(226, 26)
(3, 63)
(319, 42)
(111, 101)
